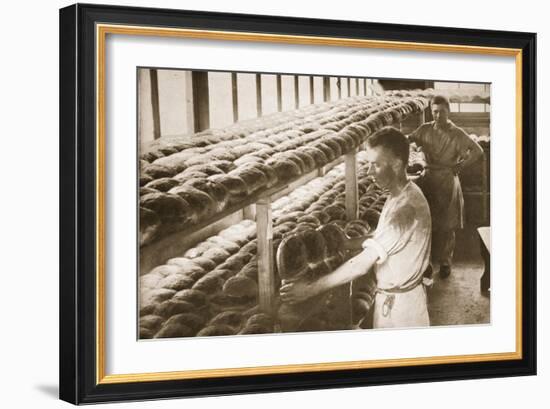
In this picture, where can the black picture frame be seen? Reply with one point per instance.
(78, 236)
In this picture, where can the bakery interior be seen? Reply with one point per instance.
(244, 178)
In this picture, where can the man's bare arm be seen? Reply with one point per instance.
(355, 267)
(475, 152)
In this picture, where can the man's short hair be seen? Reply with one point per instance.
(440, 100)
(392, 140)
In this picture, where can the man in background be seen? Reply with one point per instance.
(448, 149)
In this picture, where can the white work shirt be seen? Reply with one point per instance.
(402, 241)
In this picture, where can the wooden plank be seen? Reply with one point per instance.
(259, 94)
(279, 93)
(235, 96)
(485, 187)
(176, 244)
(155, 102)
(326, 89)
(296, 92)
(352, 193)
(201, 109)
(266, 267)
(189, 114)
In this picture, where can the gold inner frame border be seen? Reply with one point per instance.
(102, 30)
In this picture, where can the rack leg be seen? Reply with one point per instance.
(266, 268)
(352, 194)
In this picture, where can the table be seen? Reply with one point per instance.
(485, 247)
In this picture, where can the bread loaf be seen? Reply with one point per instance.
(232, 318)
(177, 282)
(334, 239)
(151, 322)
(205, 263)
(191, 320)
(201, 205)
(209, 284)
(195, 297)
(174, 331)
(253, 178)
(172, 307)
(150, 281)
(149, 223)
(216, 330)
(146, 190)
(146, 333)
(216, 254)
(167, 206)
(291, 257)
(216, 191)
(236, 187)
(315, 246)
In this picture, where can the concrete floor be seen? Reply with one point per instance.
(457, 299)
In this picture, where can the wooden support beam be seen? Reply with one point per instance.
(339, 85)
(311, 91)
(296, 92)
(356, 86)
(349, 87)
(155, 102)
(279, 93)
(365, 86)
(201, 109)
(259, 94)
(326, 89)
(352, 192)
(266, 260)
(189, 114)
(234, 96)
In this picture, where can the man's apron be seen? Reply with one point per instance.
(443, 192)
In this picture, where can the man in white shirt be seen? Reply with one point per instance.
(399, 249)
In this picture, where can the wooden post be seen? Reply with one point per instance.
(279, 93)
(352, 192)
(484, 189)
(311, 91)
(356, 86)
(259, 94)
(296, 92)
(235, 96)
(189, 103)
(155, 102)
(266, 267)
(201, 109)
(339, 85)
(349, 87)
(326, 89)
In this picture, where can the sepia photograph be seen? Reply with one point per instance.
(285, 202)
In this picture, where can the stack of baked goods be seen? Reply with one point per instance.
(219, 275)
(187, 180)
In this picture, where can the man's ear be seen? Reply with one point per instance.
(397, 166)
